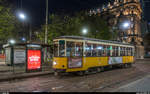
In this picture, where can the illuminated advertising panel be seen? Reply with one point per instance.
(75, 62)
(34, 59)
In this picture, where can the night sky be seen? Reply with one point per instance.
(35, 9)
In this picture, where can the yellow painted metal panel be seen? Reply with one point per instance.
(61, 61)
(127, 59)
(104, 61)
(89, 62)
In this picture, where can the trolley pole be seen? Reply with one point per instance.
(46, 30)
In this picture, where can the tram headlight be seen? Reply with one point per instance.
(54, 63)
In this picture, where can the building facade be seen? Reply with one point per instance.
(124, 18)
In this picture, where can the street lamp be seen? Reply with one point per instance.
(23, 39)
(126, 25)
(22, 16)
(12, 41)
(84, 31)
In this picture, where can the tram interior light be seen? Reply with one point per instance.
(99, 47)
(87, 48)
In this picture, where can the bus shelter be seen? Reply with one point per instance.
(29, 55)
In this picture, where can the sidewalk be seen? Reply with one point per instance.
(11, 76)
(141, 85)
(7, 74)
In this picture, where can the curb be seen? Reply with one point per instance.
(26, 75)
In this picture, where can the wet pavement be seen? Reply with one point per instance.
(106, 81)
(141, 85)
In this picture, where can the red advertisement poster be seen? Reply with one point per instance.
(34, 59)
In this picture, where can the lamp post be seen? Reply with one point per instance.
(22, 17)
(46, 30)
(46, 23)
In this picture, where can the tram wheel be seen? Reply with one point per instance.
(125, 65)
(130, 65)
(99, 70)
(56, 73)
(80, 73)
(102, 69)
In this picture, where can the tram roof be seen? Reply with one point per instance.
(92, 39)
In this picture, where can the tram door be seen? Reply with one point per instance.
(74, 52)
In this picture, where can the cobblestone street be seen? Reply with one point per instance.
(106, 81)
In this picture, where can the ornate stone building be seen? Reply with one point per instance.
(124, 18)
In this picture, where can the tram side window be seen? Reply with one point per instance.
(116, 51)
(70, 51)
(61, 48)
(104, 51)
(108, 50)
(125, 51)
(79, 49)
(131, 51)
(121, 51)
(88, 49)
(100, 50)
(55, 49)
(94, 51)
(113, 51)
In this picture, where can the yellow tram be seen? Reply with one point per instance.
(75, 54)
